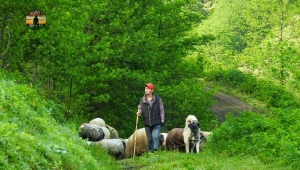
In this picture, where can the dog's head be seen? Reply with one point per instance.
(194, 126)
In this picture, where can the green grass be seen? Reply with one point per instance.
(205, 160)
(30, 138)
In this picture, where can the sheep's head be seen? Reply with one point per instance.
(82, 125)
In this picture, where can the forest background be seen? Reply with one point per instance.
(92, 59)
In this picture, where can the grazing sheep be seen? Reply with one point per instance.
(163, 138)
(115, 147)
(91, 132)
(191, 134)
(98, 121)
(174, 140)
(141, 143)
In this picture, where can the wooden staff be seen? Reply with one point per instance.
(136, 124)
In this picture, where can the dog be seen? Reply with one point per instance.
(191, 134)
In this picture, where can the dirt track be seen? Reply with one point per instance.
(226, 103)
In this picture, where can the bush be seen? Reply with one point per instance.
(274, 138)
(266, 91)
(191, 98)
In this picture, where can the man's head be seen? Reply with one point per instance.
(150, 86)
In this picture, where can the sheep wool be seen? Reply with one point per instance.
(174, 140)
(98, 121)
(113, 132)
(141, 143)
(115, 147)
(164, 138)
(91, 132)
(106, 132)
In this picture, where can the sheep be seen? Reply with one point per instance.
(141, 143)
(98, 121)
(174, 140)
(163, 138)
(115, 147)
(191, 134)
(91, 132)
(203, 138)
(124, 141)
(205, 134)
(106, 132)
(113, 132)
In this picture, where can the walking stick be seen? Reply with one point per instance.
(136, 124)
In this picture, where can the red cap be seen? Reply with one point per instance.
(150, 86)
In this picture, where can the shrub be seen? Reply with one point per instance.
(273, 138)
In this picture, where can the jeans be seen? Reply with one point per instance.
(153, 133)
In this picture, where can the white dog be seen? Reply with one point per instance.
(191, 134)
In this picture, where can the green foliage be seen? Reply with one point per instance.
(93, 58)
(249, 38)
(268, 137)
(177, 110)
(31, 139)
(266, 91)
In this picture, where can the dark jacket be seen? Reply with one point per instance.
(151, 115)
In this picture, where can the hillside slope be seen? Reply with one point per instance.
(30, 138)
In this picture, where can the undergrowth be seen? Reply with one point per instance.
(271, 135)
(30, 138)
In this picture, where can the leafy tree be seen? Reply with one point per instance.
(95, 57)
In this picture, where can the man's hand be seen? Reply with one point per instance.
(138, 113)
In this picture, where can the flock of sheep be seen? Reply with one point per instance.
(187, 139)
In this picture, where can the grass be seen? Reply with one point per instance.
(205, 160)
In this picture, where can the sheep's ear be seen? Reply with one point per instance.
(198, 124)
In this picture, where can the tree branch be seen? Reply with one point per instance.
(8, 43)
(3, 26)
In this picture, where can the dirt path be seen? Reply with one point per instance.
(226, 103)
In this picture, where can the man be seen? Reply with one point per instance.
(152, 109)
(36, 21)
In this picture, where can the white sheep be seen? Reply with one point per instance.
(106, 132)
(205, 134)
(115, 147)
(100, 122)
